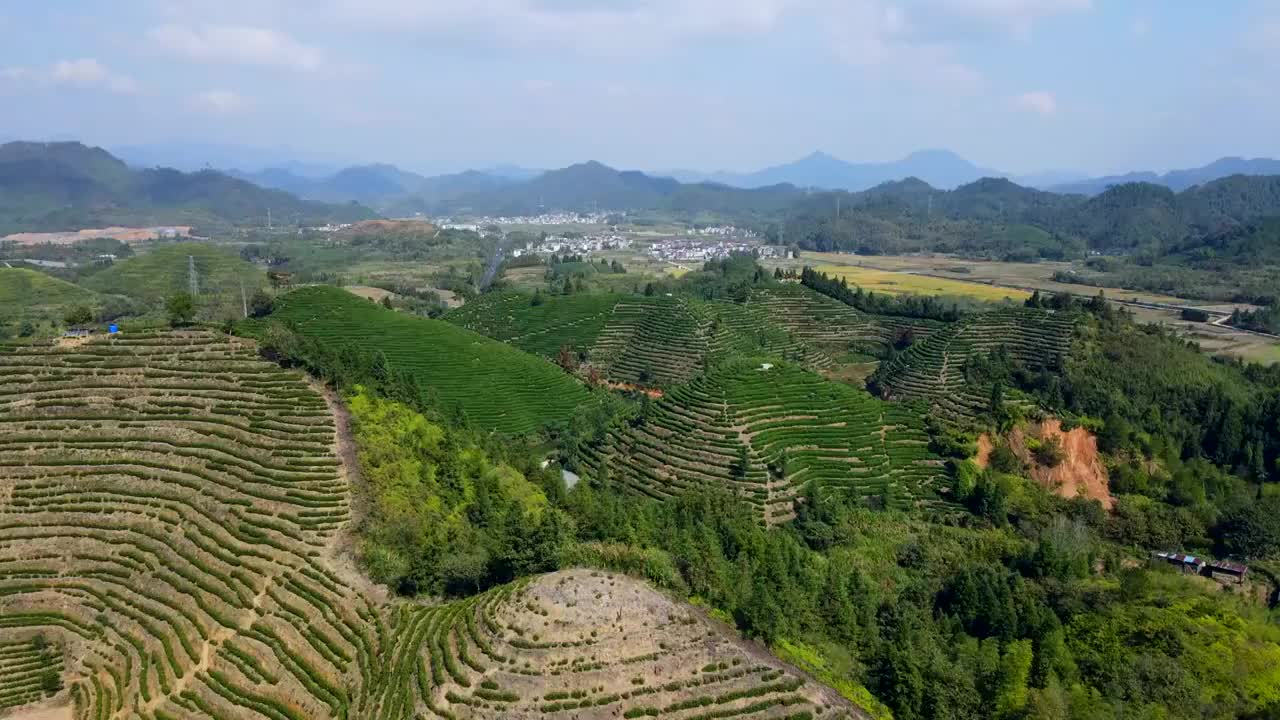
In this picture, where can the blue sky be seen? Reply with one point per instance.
(438, 85)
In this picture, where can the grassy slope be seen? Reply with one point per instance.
(163, 271)
(23, 291)
(498, 387)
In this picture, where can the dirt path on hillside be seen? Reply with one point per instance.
(340, 555)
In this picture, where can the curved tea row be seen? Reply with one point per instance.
(766, 431)
(164, 500)
(934, 370)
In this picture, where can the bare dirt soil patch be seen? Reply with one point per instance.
(123, 234)
(1081, 472)
(43, 712)
(369, 293)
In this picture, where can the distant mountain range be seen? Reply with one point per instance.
(939, 168)
(1176, 180)
(67, 186)
(946, 170)
(194, 156)
(393, 190)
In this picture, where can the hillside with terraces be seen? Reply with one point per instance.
(768, 431)
(665, 341)
(832, 326)
(934, 370)
(170, 510)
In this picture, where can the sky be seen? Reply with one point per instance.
(1021, 86)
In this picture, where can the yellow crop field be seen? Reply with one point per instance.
(898, 283)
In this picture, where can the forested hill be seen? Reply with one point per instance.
(67, 185)
(996, 216)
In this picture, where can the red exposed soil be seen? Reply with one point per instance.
(1081, 472)
(985, 446)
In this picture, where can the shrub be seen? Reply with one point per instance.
(1049, 452)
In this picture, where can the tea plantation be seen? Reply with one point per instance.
(163, 500)
(934, 369)
(170, 513)
(498, 387)
(649, 341)
(767, 431)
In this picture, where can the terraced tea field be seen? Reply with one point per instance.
(169, 505)
(791, 427)
(25, 669)
(557, 321)
(592, 646)
(649, 341)
(934, 370)
(828, 324)
(163, 500)
(499, 387)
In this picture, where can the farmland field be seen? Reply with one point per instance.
(767, 430)
(979, 272)
(169, 504)
(498, 387)
(898, 283)
(974, 278)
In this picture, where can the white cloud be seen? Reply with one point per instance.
(218, 102)
(874, 35)
(236, 44)
(86, 73)
(1141, 27)
(1041, 102)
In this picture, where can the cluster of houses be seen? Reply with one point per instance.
(326, 228)
(699, 250)
(555, 244)
(547, 218)
(1224, 571)
(722, 231)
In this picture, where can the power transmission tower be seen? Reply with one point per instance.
(268, 219)
(244, 302)
(193, 278)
